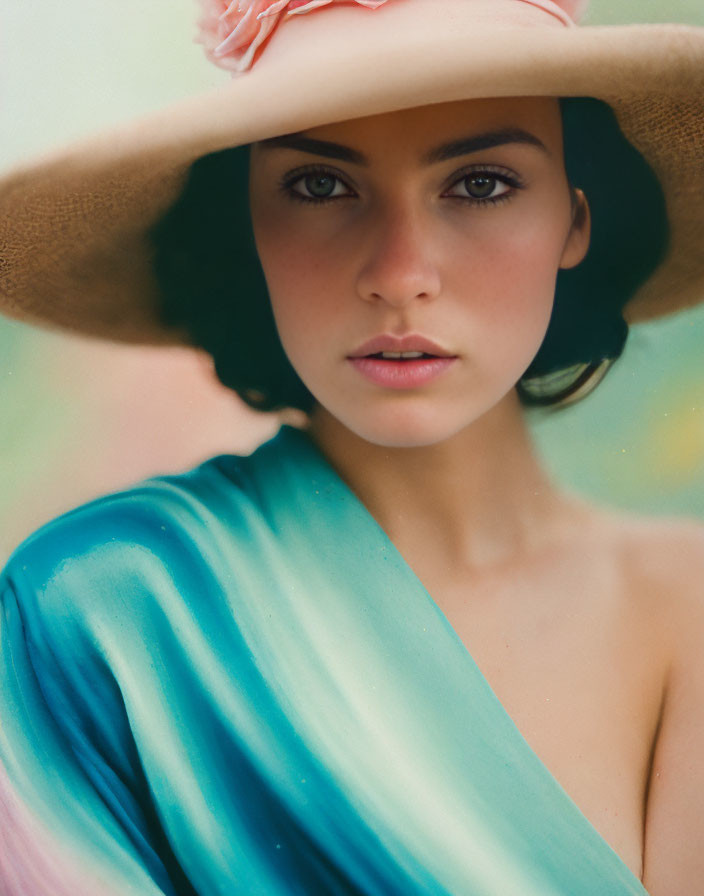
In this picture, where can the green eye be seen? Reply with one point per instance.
(319, 182)
(481, 186)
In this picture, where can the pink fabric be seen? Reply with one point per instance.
(233, 30)
(31, 861)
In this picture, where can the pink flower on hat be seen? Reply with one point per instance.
(575, 8)
(568, 11)
(232, 30)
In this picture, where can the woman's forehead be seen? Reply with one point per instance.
(436, 132)
(540, 110)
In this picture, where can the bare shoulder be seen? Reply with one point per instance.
(671, 552)
(665, 562)
(658, 563)
(659, 555)
(664, 559)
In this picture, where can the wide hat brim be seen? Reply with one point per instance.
(74, 247)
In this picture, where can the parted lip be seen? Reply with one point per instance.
(412, 342)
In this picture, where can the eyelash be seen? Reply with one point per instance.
(287, 183)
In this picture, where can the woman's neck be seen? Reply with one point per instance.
(476, 500)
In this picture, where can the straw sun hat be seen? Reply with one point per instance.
(75, 250)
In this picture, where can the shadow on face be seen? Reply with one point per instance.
(211, 272)
(412, 141)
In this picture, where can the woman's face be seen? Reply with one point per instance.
(460, 247)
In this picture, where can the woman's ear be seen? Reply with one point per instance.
(577, 243)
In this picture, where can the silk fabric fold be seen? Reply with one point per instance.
(229, 681)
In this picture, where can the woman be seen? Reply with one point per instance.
(383, 654)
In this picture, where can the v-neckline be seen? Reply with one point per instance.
(324, 466)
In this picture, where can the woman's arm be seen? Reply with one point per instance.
(674, 833)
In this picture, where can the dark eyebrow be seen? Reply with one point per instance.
(462, 146)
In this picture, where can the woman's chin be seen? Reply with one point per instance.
(413, 422)
(410, 427)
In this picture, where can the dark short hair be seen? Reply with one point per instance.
(213, 286)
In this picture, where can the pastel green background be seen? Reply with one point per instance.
(80, 418)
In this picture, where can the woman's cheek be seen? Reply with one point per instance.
(527, 272)
(306, 319)
(509, 310)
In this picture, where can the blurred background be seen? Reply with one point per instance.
(80, 418)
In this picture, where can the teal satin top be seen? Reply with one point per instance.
(229, 682)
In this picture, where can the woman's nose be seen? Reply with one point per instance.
(400, 266)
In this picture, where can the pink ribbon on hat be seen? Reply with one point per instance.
(569, 12)
(232, 30)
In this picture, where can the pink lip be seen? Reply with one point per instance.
(401, 374)
(412, 342)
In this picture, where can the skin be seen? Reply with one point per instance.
(402, 254)
(533, 580)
